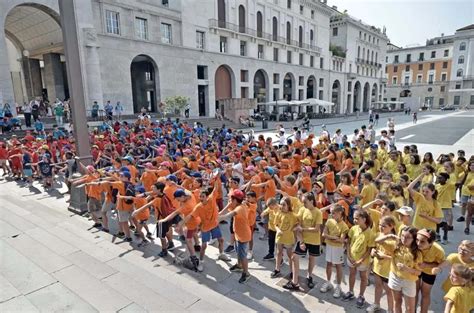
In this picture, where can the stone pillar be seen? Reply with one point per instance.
(32, 74)
(53, 76)
(6, 86)
(92, 65)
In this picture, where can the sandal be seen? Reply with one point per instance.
(275, 274)
(291, 286)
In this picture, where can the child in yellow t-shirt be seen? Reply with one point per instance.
(459, 298)
(285, 222)
(271, 211)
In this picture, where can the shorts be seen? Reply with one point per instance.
(361, 267)
(28, 172)
(94, 206)
(107, 206)
(334, 255)
(241, 249)
(215, 233)
(190, 233)
(3, 162)
(313, 250)
(163, 228)
(143, 222)
(465, 199)
(384, 279)
(265, 220)
(285, 246)
(447, 215)
(427, 278)
(407, 287)
(123, 216)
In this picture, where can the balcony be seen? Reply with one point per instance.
(213, 23)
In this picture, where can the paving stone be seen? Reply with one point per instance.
(58, 298)
(92, 290)
(22, 273)
(15, 220)
(13, 207)
(7, 290)
(90, 264)
(53, 242)
(36, 252)
(18, 304)
(133, 308)
(7, 230)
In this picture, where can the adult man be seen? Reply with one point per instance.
(58, 112)
(95, 110)
(109, 109)
(27, 113)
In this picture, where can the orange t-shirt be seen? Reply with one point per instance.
(296, 166)
(306, 183)
(283, 172)
(241, 224)
(330, 183)
(185, 209)
(169, 192)
(207, 213)
(292, 191)
(93, 191)
(270, 190)
(139, 202)
(121, 204)
(148, 179)
(252, 213)
(348, 164)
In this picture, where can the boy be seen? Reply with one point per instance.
(446, 189)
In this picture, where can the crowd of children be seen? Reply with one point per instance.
(369, 205)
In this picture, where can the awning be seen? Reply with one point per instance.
(321, 103)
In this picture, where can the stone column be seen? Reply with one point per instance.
(6, 86)
(32, 74)
(53, 79)
(92, 65)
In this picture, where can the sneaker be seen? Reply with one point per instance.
(200, 266)
(163, 253)
(290, 286)
(309, 282)
(326, 287)
(229, 249)
(269, 257)
(249, 255)
(438, 237)
(149, 235)
(128, 239)
(223, 257)
(466, 231)
(275, 274)
(170, 246)
(444, 241)
(121, 235)
(132, 227)
(97, 225)
(337, 292)
(105, 230)
(197, 248)
(143, 243)
(461, 219)
(450, 228)
(244, 278)
(348, 296)
(360, 302)
(235, 268)
(373, 308)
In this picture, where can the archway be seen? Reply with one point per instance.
(145, 87)
(311, 87)
(260, 86)
(357, 97)
(288, 86)
(366, 101)
(336, 96)
(374, 97)
(405, 93)
(35, 54)
(223, 82)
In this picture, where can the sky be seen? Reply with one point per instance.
(411, 22)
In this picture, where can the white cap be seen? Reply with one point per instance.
(405, 210)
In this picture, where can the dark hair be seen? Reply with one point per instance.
(430, 168)
(391, 205)
(160, 186)
(365, 215)
(368, 176)
(235, 179)
(404, 167)
(413, 247)
(416, 159)
(431, 187)
(310, 197)
(390, 221)
(347, 176)
(432, 234)
(251, 194)
(398, 188)
(430, 157)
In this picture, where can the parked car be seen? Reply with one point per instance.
(448, 108)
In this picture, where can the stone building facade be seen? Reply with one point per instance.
(139, 52)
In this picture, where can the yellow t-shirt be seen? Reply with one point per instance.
(430, 208)
(296, 205)
(376, 216)
(360, 242)
(469, 182)
(382, 155)
(445, 195)
(452, 259)
(427, 179)
(462, 298)
(403, 255)
(391, 166)
(310, 218)
(413, 171)
(271, 218)
(381, 267)
(367, 194)
(398, 200)
(435, 254)
(337, 229)
(286, 222)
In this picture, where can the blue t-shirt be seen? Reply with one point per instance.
(26, 160)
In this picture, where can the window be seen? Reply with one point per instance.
(471, 102)
(276, 78)
(442, 88)
(321, 95)
(311, 61)
(443, 77)
(301, 9)
(408, 58)
(441, 101)
(223, 44)
(394, 80)
(419, 78)
(446, 52)
(395, 69)
(433, 54)
(407, 68)
(430, 89)
(312, 14)
(430, 78)
(288, 4)
(288, 57)
(459, 73)
(358, 69)
(462, 46)
(244, 92)
(301, 59)
(395, 60)
(420, 67)
(365, 36)
(457, 100)
(260, 52)
(349, 86)
(276, 94)
(421, 57)
(165, 3)
(275, 54)
(432, 66)
(148, 76)
(407, 80)
(321, 63)
(321, 82)
(199, 39)
(244, 76)
(445, 64)
(243, 48)
(360, 34)
(334, 31)
(301, 80)
(165, 33)
(358, 52)
(141, 28)
(202, 71)
(112, 22)
(460, 60)
(458, 86)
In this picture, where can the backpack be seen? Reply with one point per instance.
(350, 217)
(129, 192)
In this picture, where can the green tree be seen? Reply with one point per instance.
(176, 104)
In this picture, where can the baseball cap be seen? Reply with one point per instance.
(308, 169)
(345, 190)
(250, 168)
(270, 170)
(306, 162)
(165, 163)
(319, 184)
(179, 193)
(128, 158)
(374, 146)
(237, 194)
(148, 165)
(172, 178)
(126, 174)
(124, 169)
(405, 210)
(258, 159)
(140, 189)
(90, 168)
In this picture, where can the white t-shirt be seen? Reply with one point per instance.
(237, 170)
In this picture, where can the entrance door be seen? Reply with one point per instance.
(202, 100)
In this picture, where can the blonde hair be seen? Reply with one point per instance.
(468, 244)
(465, 273)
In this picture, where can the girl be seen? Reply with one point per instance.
(404, 269)
(428, 213)
(428, 170)
(433, 256)
(467, 195)
(285, 222)
(334, 233)
(361, 240)
(414, 168)
(459, 297)
(381, 267)
(397, 195)
(271, 211)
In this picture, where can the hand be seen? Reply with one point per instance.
(134, 214)
(401, 266)
(436, 270)
(303, 246)
(298, 228)
(379, 201)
